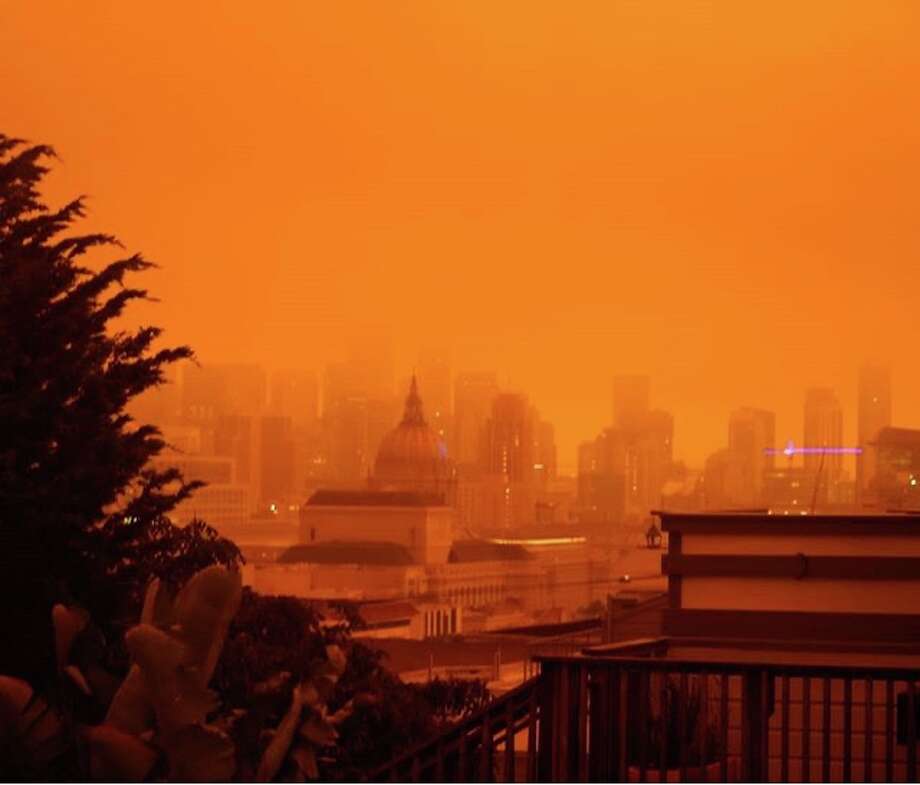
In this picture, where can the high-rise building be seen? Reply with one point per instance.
(873, 414)
(602, 478)
(209, 391)
(632, 460)
(233, 438)
(896, 482)
(823, 430)
(474, 393)
(718, 479)
(434, 377)
(295, 394)
(371, 368)
(544, 453)
(649, 457)
(508, 460)
(751, 435)
(345, 424)
(276, 461)
(631, 396)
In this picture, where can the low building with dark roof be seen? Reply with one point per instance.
(348, 552)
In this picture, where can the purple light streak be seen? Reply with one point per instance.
(790, 449)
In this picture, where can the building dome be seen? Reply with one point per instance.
(411, 457)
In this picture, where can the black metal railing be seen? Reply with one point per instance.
(638, 715)
(490, 746)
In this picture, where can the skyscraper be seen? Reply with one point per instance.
(873, 414)
(295, 394)
(602, 478)
(345, 423)
(823, 429)
(630, 400)
(474, 393)
(434, 378)
(276, 461)
(508, 460)
(751, 432)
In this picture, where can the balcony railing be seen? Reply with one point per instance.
(638, 715)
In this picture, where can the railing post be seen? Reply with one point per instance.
(754, 725)
(485, 751)
(547, 733)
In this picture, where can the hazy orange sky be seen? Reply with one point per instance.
(720, 194)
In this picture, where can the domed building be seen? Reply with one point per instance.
(399, 541)
(411, 457)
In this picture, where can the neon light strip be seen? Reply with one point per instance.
(540, 541)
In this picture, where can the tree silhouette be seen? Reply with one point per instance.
(81, 512)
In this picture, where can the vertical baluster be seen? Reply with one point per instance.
(867, 731)
(766, 689)
(911, 731)
(784, 732)
(826, 734)
(485, 751)
(582, 723)
(622, 691)
(724, 721)
(682, 701)
(508, 772)
(546, 738)
(561, 722)
(889, 731)
(415, 772)
(663, 723)
(599, 769)
(702, 727)
(847, 730)
(643, 722)
(439, 763)
(462, 771)
(532, 736)
(806, 729)
(747, 711)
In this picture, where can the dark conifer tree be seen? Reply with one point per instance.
(81, 512)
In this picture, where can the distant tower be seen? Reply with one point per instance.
(508, 461)
(474, 393)
(824, 429)
(630, 400)
(873, 414)
(751, 435)
(434, 375)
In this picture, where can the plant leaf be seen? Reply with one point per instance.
(319, 730)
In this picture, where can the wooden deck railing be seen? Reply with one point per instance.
(630, 718)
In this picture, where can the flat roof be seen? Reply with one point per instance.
(763, 653)
(750, 522)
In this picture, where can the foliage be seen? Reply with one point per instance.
(275, 644)
(80, 509)
(191, 691)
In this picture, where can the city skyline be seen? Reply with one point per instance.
(789, 424)
(465, 177)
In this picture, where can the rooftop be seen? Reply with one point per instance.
(350, 552)
(486, 550)
(333, 498)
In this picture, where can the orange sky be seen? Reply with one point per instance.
(720, 194)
